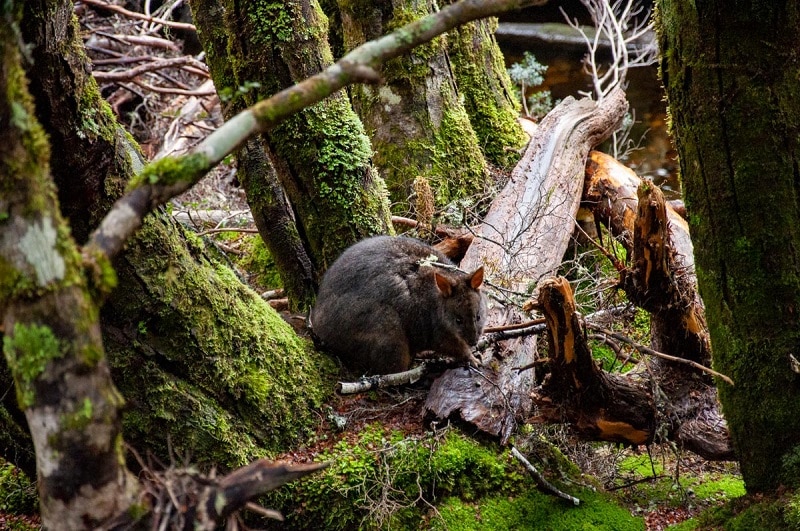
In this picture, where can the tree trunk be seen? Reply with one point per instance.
(321, 155)
(52, 340)
(193, 351)
(415, 119)
(733, 93)
(488, 94)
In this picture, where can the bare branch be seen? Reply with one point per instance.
(132, 14)
(544, 485)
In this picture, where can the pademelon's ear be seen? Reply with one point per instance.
(476, 279)
(444, 285)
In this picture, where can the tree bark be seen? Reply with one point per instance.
(489, 97)
(733, 101)
(52, 341)
(321, 156)
(416, 122)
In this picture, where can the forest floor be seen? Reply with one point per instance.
(168, 109)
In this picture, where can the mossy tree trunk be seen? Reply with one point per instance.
(731, 77)
(483, 81)
(194, 352)
(52, 342)
(415, 118)
(320, 156)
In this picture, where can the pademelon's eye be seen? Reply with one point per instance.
(459, 320)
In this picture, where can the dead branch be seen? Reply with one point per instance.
(543, 484)
(368, 383)
(152, 66)
(139, 16)
(185, 498)
(646, 350)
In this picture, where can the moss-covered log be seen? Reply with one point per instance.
(731, 78)
(415, 119)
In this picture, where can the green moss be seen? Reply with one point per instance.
(456, 155)
(17, 492)
(259, 263)
(228, 380)
(28, 350)
(746, 514)
(641, 465)
(80, 417)
(488, 92)
(102, 277)
(170, 170)
(385, 480)
(270, 22)
(790, 468)
(534, 510)
(792, 511)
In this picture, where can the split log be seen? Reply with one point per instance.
(670, 399)
(522, 239)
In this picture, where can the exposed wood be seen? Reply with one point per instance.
(599, 405)
(382, 380)
(669, 398)
(522, 239)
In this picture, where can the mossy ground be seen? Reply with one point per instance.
(383, 478)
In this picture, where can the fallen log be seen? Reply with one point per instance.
(522, 239)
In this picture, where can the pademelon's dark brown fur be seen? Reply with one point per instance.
(379, 305)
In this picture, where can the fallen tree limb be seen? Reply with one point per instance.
(382, 380)
(522, 239)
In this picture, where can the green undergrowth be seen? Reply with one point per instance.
(445, 480)
(17, 492)
(653, 484)
(747, 513)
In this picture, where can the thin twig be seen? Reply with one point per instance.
(140, 16)
(646, 350)
(159, 64)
